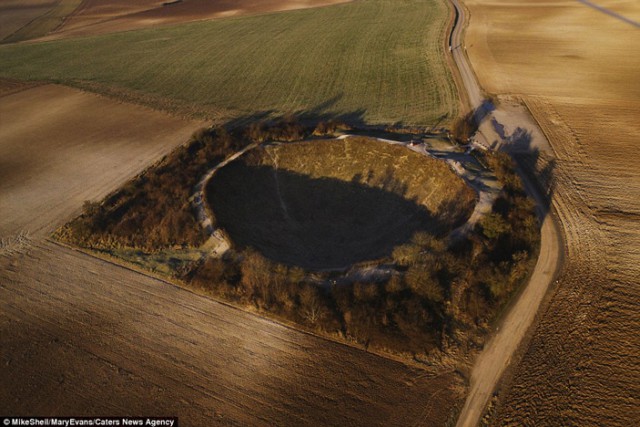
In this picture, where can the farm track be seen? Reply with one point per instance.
(492, 362)
(82, 336)
(574, 68)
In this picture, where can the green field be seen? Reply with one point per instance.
(379, 61)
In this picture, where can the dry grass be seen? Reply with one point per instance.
(576, 69)
(427, 182)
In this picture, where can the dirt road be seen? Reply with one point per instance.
(81, 336)
(497, 354)
(575, 68)
(457, 49)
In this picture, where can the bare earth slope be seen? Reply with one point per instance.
(576, 69)
(14, 14)
(81, 336)
(107, 16)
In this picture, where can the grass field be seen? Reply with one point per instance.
(380, 61)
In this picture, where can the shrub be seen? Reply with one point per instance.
(494, 226)
(421, 280)
(405, 255)
(464, 127)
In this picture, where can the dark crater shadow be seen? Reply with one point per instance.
(316, 224)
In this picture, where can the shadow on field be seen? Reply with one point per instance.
(537, 166)
(315, 223)
(484, 110)
(321, 112)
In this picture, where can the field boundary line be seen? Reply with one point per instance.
(116, 262)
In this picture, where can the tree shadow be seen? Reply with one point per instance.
(537, 166)
(438, 123)
(520, 137)
(322, 112)
(483, 111)
(241, 121)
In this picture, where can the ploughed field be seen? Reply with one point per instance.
(379, 61)
(332, 203)
(128, 343)
(60, 147)
(575, 67)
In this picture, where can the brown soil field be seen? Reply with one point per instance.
(82, 336)
(15, 14)
(56, 140)
(575, 68)
(107, 16)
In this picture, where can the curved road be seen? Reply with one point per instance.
(497, 354)
(458, 51)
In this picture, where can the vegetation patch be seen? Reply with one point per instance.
(420, 293)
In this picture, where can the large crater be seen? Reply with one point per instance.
(329, 204)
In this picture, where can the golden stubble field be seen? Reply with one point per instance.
(576, 68)
(82, 336)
